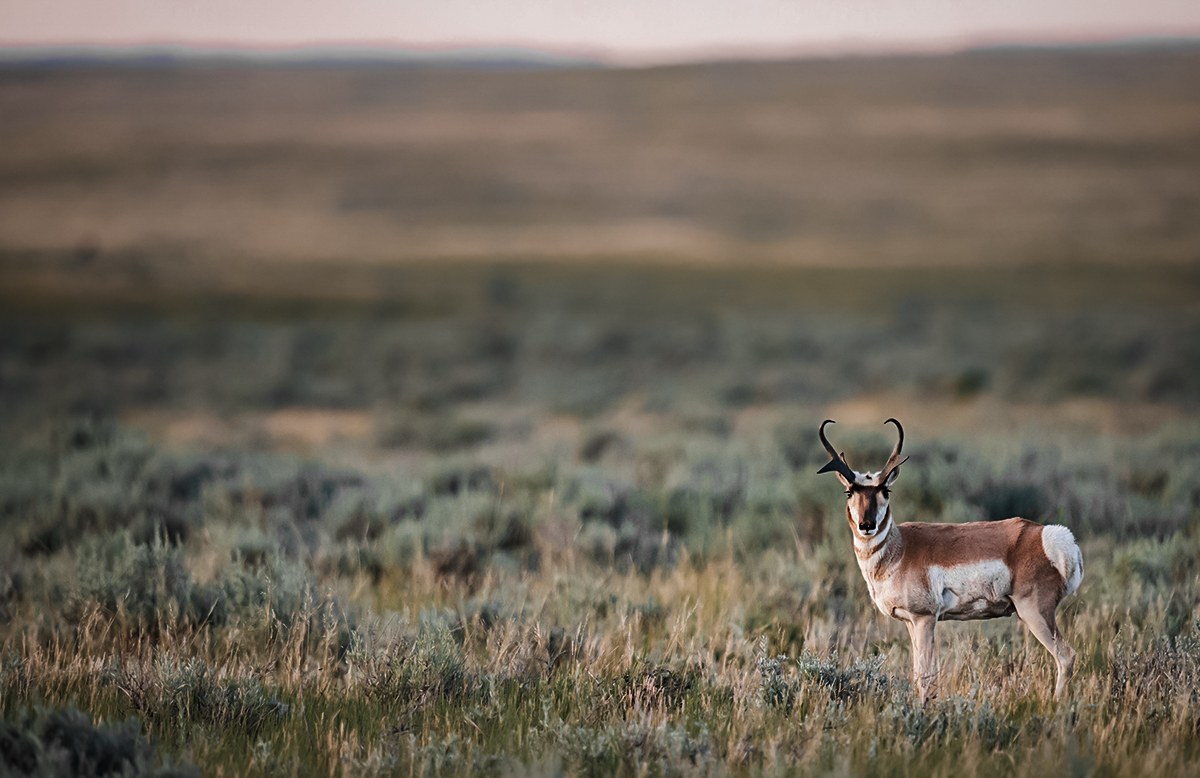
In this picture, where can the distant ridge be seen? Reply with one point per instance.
(468, 58)
(1143, 43)
(172, 55)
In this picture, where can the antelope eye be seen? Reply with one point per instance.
(887, 493)
(848, 492)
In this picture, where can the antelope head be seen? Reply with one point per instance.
(867, 494)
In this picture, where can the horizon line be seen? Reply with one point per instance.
(528, 54)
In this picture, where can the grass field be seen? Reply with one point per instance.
(272, 502)
(670, 601)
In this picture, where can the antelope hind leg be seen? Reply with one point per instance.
(1041, 622)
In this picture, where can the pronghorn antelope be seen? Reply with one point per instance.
(925, 573)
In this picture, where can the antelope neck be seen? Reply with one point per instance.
(881, 552)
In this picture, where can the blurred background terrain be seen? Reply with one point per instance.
(221, 238)
(977, 159)
(519, 369)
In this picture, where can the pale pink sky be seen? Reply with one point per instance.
(619, 30)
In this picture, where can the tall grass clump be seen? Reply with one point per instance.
(174, 696)
(144, 585)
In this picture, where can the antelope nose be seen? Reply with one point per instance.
(865, 527)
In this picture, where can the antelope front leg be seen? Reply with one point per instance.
(923, 631)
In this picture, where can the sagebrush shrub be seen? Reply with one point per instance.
(66, 744)
(181, 693)
(144, 582)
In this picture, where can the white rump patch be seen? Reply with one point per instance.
(971, 586)
(1063, 552)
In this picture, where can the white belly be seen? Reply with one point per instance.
(979, 590)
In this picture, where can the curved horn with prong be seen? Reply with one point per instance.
(894, 460)
(836, 463)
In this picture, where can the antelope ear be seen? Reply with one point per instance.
(894, 473)
(842, 478)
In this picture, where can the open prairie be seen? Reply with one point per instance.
(409, 421)
(979, 159)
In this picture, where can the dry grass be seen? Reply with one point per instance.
(683, 687)
(494, 627)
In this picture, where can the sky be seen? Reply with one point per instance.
(619, 31)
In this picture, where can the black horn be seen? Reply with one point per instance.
(894, 460)
(837, 463)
